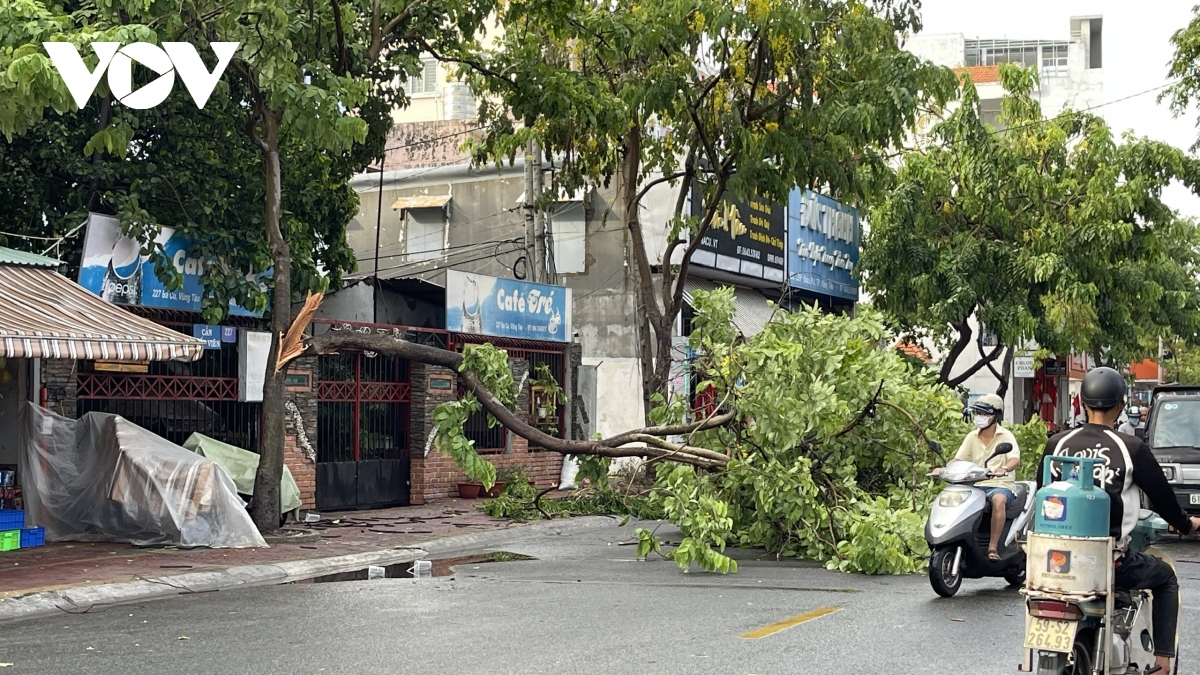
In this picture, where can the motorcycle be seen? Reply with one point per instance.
(1076, 622)
(960, 524)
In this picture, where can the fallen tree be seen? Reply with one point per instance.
(816, 447)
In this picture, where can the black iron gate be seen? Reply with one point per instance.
(362, 431)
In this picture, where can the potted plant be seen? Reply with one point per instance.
(547, 397)
(506, 475)
(469, 490)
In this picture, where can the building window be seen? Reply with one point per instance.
(1054, 61)
(1022, 52)
(424, 233)
(426, 81)
(568, 236)
(989, 113)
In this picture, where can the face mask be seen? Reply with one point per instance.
(1134, 421)
(983, 421)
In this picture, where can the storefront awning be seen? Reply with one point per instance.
(45, 315)
(422, 202)
(751, 309)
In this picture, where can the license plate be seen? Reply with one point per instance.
(1195, 497)
(1051, 634)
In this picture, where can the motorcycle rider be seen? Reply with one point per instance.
(1128, 466)
(979, 447)
(1132, 420)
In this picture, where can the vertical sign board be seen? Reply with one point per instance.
(823, 239)
(253, 350)
(745, 237)
(115, 269)
(484, 305)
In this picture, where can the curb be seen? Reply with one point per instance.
(81, 599)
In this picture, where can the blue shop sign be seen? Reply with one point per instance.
(485, 305)
(823, 240)
(210, 334)
(228, 334)
(114, 268)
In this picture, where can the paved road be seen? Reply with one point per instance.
(582, 607)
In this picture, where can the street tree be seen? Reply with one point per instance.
(1046, 230)
(727, 99)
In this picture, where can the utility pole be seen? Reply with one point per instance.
(539, 217)
(527, 207)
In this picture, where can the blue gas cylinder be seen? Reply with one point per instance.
(1071, 506)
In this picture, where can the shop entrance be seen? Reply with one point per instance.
(362, 431)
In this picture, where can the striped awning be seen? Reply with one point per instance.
(45, 315)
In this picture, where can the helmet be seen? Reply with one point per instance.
(989, 404)
(1102, 389)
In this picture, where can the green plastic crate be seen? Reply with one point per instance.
(10, 540)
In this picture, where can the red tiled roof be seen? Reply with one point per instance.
(912, 349)
(980, 74)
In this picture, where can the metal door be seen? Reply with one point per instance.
(362, 431)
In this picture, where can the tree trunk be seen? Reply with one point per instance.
(265, 511)
(1005, 375)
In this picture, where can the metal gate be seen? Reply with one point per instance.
(174, 399)
(362, 431)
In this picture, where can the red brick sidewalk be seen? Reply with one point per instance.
(67, 564)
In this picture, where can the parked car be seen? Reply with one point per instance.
(1172, 430)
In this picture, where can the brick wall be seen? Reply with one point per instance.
(436, 476)
(62, 383)
(303, 402)
(428, 144)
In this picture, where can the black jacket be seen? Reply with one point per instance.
(1128, 464)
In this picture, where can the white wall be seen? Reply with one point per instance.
(946, 49)
(618, 397)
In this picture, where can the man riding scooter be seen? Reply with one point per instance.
(981, 446)
(1128, 466)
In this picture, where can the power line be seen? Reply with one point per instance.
(1026, 125)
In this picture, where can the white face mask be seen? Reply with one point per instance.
(983, 421)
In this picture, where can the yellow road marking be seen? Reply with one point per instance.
(788, 623)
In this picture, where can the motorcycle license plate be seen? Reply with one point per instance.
(1051, 634)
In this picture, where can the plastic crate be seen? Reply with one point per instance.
(33, 536)
(10, 540)
(11, 519)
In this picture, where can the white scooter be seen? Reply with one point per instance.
(960, 527)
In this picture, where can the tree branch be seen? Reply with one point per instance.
(392, 344)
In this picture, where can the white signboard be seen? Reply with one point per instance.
(1023, 366)
(253, 350)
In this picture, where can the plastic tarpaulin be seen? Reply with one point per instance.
(241, 465)
(104, 478)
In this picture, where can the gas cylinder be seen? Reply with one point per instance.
(1072, 506)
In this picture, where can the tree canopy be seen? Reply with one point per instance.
(731, 98)
(1050, 230)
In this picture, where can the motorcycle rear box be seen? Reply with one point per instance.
(1068, 565)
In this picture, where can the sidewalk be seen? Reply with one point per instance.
(73, 564)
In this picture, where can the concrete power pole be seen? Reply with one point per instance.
(539, 219)
(527, 211)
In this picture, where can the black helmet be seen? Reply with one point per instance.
(1102, 389)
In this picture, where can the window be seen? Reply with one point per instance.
(425, 230)
(1176, 424)
(1054, 61)
(989, 113)
(426, 81)
(1027, 53)
(568, 236)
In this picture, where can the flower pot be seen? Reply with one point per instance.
(469, 490)
(496, 489)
